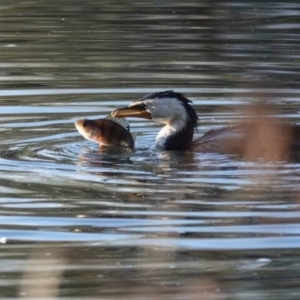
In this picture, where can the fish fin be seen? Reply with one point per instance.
(134, 135)
(121, 121)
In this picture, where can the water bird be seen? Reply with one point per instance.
(256, 137)
(108, 131)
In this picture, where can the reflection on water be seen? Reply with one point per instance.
(144, 224)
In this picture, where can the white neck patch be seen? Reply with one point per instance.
(169, 111)
(163, 135)
(170, 129)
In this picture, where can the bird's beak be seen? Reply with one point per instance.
(131, 112)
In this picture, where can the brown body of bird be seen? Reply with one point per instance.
(106, 132)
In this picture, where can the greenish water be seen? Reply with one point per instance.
(114, 224)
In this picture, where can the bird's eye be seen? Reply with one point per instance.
(143, 106)
(84, 123)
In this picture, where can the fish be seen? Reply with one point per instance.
(108, 131)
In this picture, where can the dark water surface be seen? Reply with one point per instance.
(144, 224)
